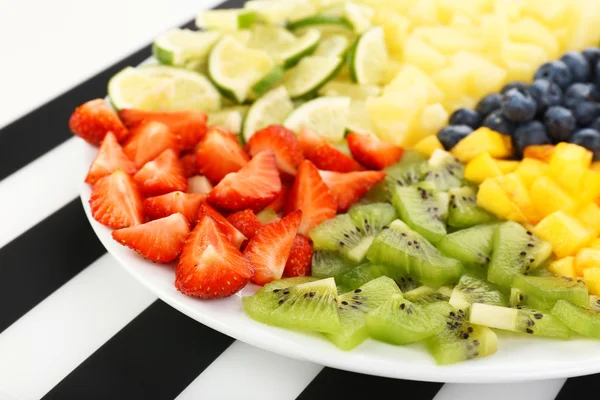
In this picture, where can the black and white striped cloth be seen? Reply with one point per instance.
(75, 325)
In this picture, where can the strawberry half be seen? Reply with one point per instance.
(199, 184)
(219, 154)
(300, 259)
(245, 222)
(270, 248)
(159, 241)
(110, 157)
(148, 140)
(311, 195)
(210, 266)
(188, 162)
(372, 152)
(348, 188)
(116, 201)
(278, 204)
(94, 119)
(252, 187)
(162, 175)
(284, 144)
(324, 155)
(174, 202)
(233, 235)
(188, 126)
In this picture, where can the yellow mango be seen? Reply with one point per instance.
(592, 280)
(529, 30)
(479, 141)
(565, 233)
(492, 197)
(482, 167)
(570, 154)
(421, 54)
(589, 216)
(548, 197)
(595, 166)
(428, 145)
(563, 267)
(507, 166)
(530, 169)
(586, 258)
(542, 152)
(590, 189)
(595, 244)
(518, 193)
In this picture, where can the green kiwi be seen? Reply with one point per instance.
(370, 218)
(543, 292)
(444, 171)
(287, 282)
(424, 295)
(463, 211)
(358, 276)
(515, 251)
(584, 321)
(523, 320)
(471, 290)
(309, 306)
(595, 303)
(353, 307)
(517, 298)
(471, 246)
(409, 253)
(327, 263)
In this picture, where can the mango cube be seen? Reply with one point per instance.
(592, 280)
(595, 166)
(589, 216)
(587, 258)
(590, 187)
(548, 197)
(482, 167)
(542, 152)
(563, 267)
(518, 194)
(479, 141)
(428, 145)
(530, 169)
(493, 198)
(507, 166)
(570, 154)
(565, 233)
(595, 244)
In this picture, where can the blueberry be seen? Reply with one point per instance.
(578, 65)
(499, 123)
(597, 73)
(595, 124)
(452, 134)
(466, 116)
(488, 104)
(518, 106)
(592, 55)
(522, 86)
(560, 123)
(530, 133)
(555, 71)
(579, 92)
(585, 112)
(588, 138)
(546, 94)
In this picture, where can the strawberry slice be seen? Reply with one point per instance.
(148, 140)
(199, 184)
(311, 195)
(189, 126)
(188, 162)
(245, 222)
(160, 241)
(116, 201)
(372, 152)
(253, 187)
(348, 188)
(324, 155)
(270, 248)
(94, 119)
(284, 144)
(210, 266)
(219, 154)
(300, 259)
(233, 235)
(174, 202)
(110, 157)
(278, 204)
(162, 175)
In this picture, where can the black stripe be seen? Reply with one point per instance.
(156, 356)
(336, 384)
(42, 259)
(579, 387)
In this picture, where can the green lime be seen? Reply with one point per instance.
(226, 20)
(368, 58)
(272, 108)
(180, 47)
(327, 116)
(310, 74)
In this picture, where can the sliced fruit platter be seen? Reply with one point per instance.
(422, 175)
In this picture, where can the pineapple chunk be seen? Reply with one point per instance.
(553, 14)
(563, 267)
(519, 195)
(420, 53)
(592, 280)
(453, 80)
(570, 154)
(589, 216)
(548, 197)
(494, 31)
(565, 233)
(507, 166)
(481, 140)
(410, 76)
(530, 169)
(433, 118)
(493, 198)
(528, 30)
(485, 76)
(590, 190)
(595, 244)
(428, 145)
(542, 152)
(585, 259)
(526, 53)
(395, 28)
(448, 40)
(482, 167)
(423, 12)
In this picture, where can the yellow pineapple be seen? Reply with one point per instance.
(448, 40)
(592, 280)
(548, 197)
(507, 166)
(595, 244)
(563, 267)
(565, 233)
(428, 145)
(410, 76)
(494, 31)
(482, 167)
(530, 169)
(433, 117)
(529, 30)
(479, 141)
(590, 188)
(589, 216)
(485, 76)
(395, 27)
(585, 259)
(453, 81)
(518, 194)
(492, 197)
(553, 14)
(423, 12)
(421, 54)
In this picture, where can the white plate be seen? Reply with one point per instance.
(519, 358)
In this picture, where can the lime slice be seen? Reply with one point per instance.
(156, 87)
(226, 20)
(368, 58)
(179, 47)
(270, 109)
(359, 120)
(282, 45)
(327, 116)
(352, 90)
(318, 21)
(332, 46)
(267, 82)
(310, 74)
(235, 69)
(228, 119)
(277, 12)
(359, 15)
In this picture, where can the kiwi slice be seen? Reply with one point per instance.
(519, 320)
(471, 246)
(443, 170)
(595, 303)
(584, 321)
(399, 321)
(421, 208)
(517, 298)
(409, 253)
(460, 340)
(353, 307)
(327, 263)
(515, 251)
(544, 291)
(287, 282)
(463, 211)
(309, 306)
(471, 290)
(370, 218)
(425, 295)
(358, 276)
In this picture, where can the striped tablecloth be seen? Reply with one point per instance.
(74, 325)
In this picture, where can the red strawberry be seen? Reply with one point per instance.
(159, 241)
(233, 235)
(348, 188)
(199, 184)
(174, 202)
(210, 266)
(300, 259)
(116, 201)
(254, 186)
(148, 140)
(284, 144)
(162, 175)
(270, 248)
(110, 157)
(188, 162)
(324, 155)
(372, 152)
(245, 222)
(189, 126)
(219, 154)
(279, 202)
(312, 196)
(94, 119)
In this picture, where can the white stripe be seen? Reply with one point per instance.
(246, 372)
(52, 339)
(537, 390)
